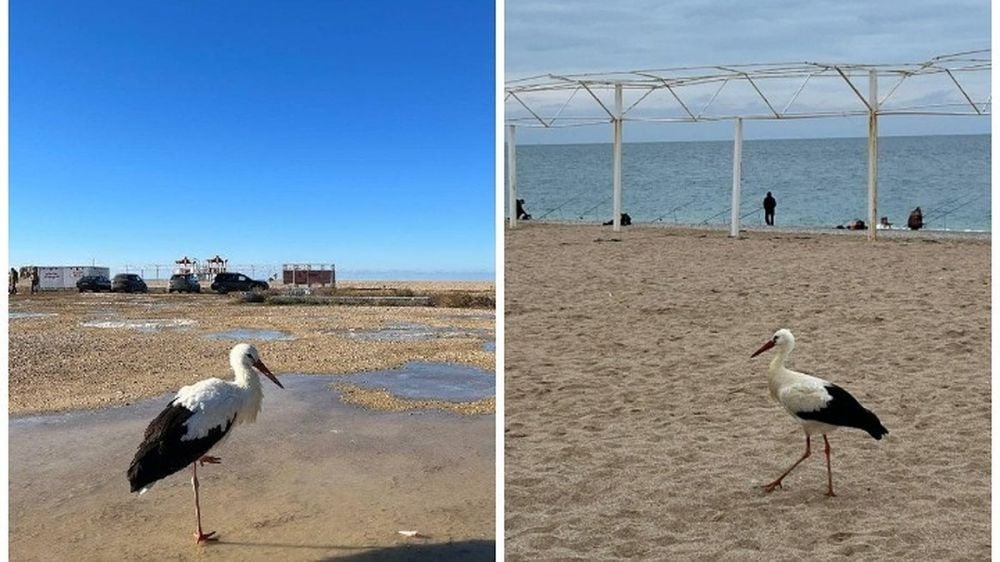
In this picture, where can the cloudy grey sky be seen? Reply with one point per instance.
(570, 36)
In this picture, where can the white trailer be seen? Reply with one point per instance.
(54, 278)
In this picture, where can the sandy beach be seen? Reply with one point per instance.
(327, 472)
(638, 426)
(73, 350)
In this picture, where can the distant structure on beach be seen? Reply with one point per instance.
(185, 265)
(205, 270)
(309, 274)
(549, 100)
(213, 267)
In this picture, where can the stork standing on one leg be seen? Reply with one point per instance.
(819, 405)
(197, 419)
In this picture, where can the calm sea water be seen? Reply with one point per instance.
(817, 182)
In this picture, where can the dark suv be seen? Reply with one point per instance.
(225, 282)
(128, 283)
(184, 283)
(96, 283)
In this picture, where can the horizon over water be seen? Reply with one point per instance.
(817, 182)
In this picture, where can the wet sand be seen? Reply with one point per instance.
(638, 427)
(313, 479)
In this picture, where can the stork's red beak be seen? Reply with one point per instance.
(763, 348)
(263, 368)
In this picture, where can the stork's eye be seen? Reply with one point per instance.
(775, 339)
(250, 355)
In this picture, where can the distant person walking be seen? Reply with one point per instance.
(34, 280)
(916, 220)
(12, 282)
(769, 204)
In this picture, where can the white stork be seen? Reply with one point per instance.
(197, 419)
(819, 405)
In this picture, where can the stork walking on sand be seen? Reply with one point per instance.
(197, 419)
(819, 405)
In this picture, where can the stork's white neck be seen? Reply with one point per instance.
(779, 358)
(776, 372)
(247, 378)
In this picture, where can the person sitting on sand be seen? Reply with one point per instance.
(884, 224)
(856, 224)
(916, 220)
(521, 213)
(625, 220)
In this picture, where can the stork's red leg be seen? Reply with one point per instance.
(829, 473)
(199, 537)
(208, 459)
(777, 483)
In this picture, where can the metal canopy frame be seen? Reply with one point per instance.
(536, 102)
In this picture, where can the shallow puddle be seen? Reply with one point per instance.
(411, 331)
(149, 325)
(431, 381)
(490, 346)
(314, 478)
(249, 334)
(22, 315)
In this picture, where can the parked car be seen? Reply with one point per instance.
(225, 282)
(184, 283)
(128, 283)
(96, 283)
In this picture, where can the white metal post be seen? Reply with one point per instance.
(734, 223)
(511, 176)
(872, 152)
(617, 176)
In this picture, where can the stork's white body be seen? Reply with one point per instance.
(217, 403)
(797, 393)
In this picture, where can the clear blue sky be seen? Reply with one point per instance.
(359, 133)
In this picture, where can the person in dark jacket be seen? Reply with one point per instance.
(769, 204)
(522, 215)
(916, 220)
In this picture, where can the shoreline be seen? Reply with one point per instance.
(894, 233)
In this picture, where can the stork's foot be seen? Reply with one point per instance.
(200, 537)
(830, 494)
(208, 459)
(772, 486)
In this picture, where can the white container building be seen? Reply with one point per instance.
(52, 278)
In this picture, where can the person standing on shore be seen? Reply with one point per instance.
(12, 282)
(769, 204)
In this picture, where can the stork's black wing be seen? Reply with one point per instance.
(162, 451)
(844, 410)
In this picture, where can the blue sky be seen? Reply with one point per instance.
(575, 36)
(359, 133)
